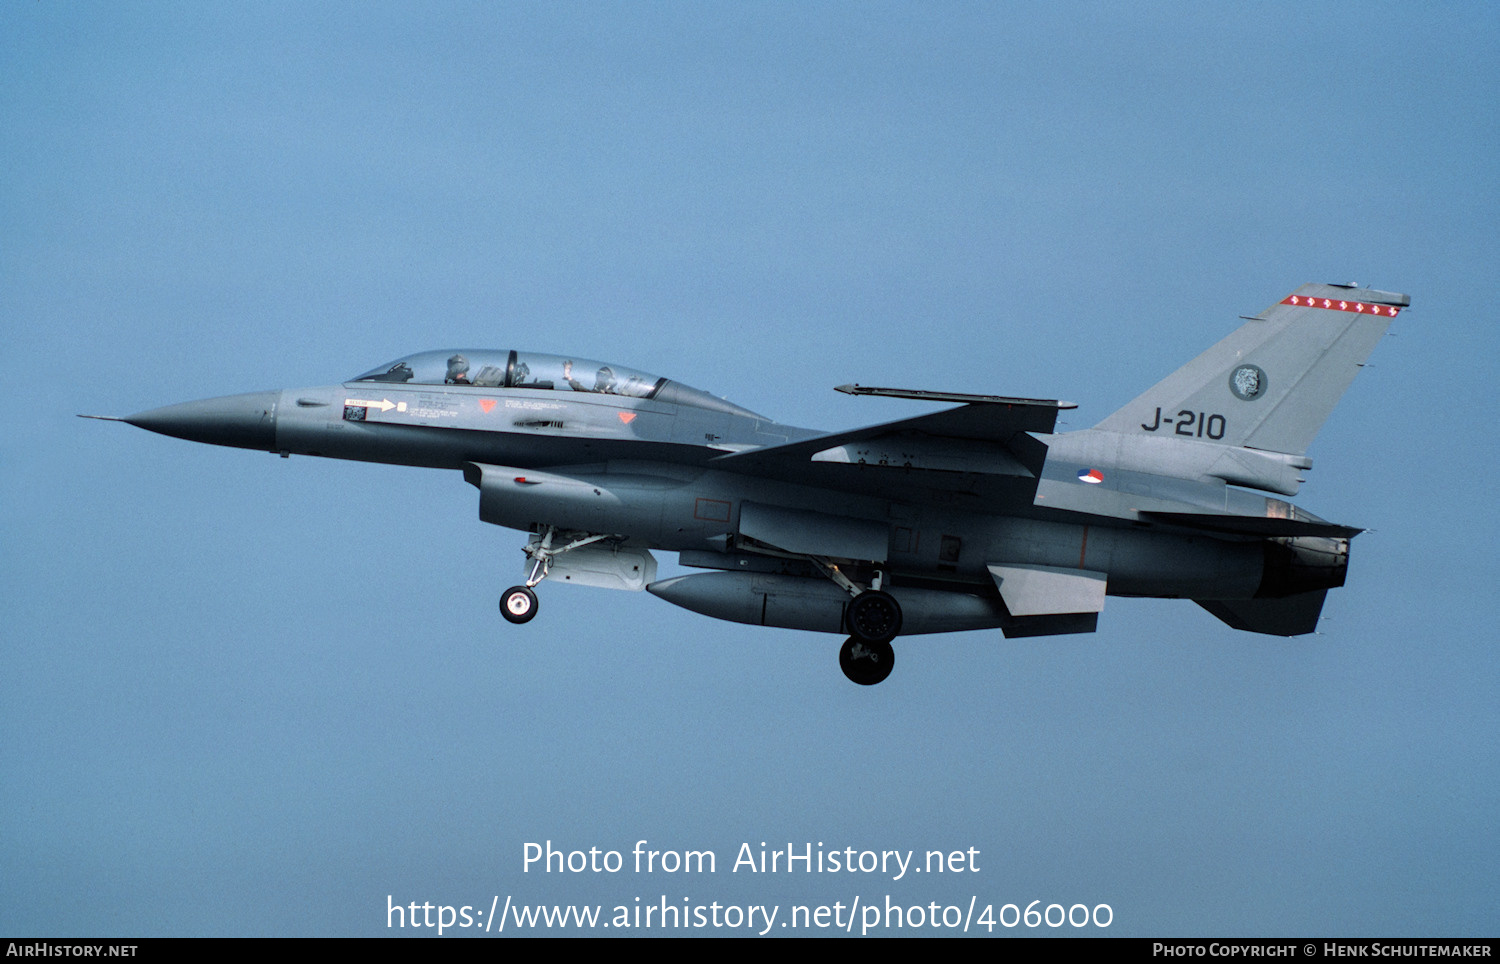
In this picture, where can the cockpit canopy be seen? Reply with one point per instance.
(489, 368)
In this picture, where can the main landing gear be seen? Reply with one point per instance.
(864, 662)
(519, 604)
(873, 618)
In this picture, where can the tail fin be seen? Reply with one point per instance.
(1272, 383)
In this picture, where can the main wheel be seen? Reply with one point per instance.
(866, 663)
(874, 617)
(518, 604)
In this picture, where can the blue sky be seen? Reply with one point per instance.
(253, 696)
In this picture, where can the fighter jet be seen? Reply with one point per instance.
(972, 517)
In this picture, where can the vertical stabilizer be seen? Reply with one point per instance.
(1272, 383)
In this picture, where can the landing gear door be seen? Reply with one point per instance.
(604, 567)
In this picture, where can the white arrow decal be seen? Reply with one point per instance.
(385, 404)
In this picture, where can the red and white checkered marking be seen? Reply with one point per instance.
(1334, 304)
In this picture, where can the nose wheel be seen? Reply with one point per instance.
(866, 663)
(518, 604)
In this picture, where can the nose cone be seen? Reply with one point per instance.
(244, 421)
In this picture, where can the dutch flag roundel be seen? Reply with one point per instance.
(1091, 476)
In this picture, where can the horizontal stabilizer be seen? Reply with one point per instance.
(1253, 525)
(1287, 616)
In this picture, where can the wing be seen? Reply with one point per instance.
(981, 448)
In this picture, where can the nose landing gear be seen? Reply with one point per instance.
(519, 604)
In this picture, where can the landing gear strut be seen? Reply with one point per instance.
(866, 663)
(873, 615)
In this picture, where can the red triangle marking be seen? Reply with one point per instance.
(486, 403)
(627, 417)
